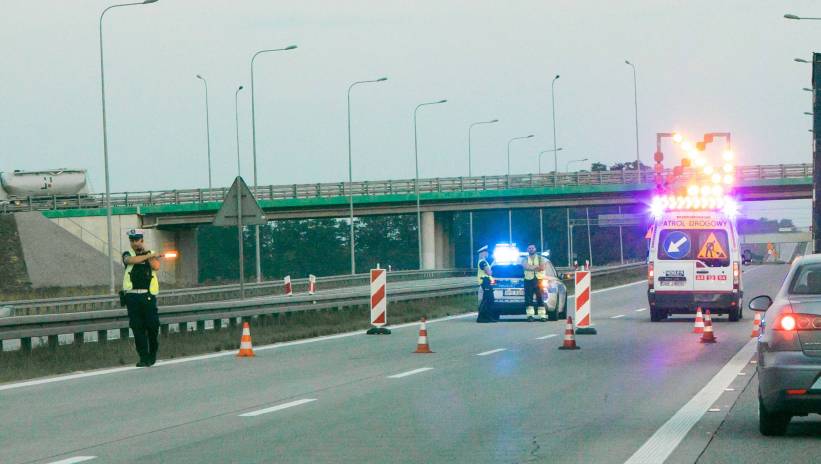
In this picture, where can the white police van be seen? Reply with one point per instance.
(508, 284)
(694, 259)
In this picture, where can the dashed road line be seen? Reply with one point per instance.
(546, 336)
(405, 374)
(497, 350)
(641, 309)
(278, 407)
(617, 316)
(74, 460)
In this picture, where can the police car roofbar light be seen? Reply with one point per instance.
(505, 253)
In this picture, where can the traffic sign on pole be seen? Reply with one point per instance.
(240, 208)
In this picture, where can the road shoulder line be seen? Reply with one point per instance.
(407, 373)
(278, 407)
(667, 438)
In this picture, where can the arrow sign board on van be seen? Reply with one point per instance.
(676, 245)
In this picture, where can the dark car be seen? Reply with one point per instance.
(789, 348)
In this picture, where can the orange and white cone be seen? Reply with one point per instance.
(289, 290)
(708, 336)
(569, 337)
(422, 343)
(699, 326)
(756, 325)
(245, 348)
(311, 284)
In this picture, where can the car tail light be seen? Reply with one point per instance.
(794, 321)
(801, 391)
(736, 274)
(650, 275)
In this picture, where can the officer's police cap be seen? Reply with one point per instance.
(136, 233)
(484, 248)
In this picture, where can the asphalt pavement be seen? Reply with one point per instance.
(490, 393)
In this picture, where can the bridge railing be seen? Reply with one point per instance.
(388, 187)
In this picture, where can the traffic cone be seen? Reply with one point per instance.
(422, 343)
(245, 349)
(699, 327)
(569, 338)
(756, 325)
(288, 288)
(708, 336)
(311, 284)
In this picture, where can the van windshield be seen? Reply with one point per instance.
(709, 246)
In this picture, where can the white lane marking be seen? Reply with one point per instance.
(405, 374)
(641, 309)
(616, 317)
(74, 460)
(662, 443)
(278, 407)
(81, 375)
(497, 350)
(714, 410)
(547, 336)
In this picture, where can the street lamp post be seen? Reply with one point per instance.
(792, 16)
(543, 152)
(636, 105)
(555, 150)
(510, 211)
(236, 123)
(350, 170)
(470, 174)
(239, 200)
(208, 135)
(416, 182)
(567, 166)
(108, 213)
(254, 150)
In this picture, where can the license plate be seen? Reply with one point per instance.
(514, 292)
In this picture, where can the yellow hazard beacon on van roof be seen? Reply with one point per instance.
(712, 249)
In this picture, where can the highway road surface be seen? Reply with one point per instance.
(491, 393)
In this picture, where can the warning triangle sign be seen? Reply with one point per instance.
(240, 199)
(712, 249)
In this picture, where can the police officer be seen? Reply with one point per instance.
(484, 276)
(534, 265)
(141, 287)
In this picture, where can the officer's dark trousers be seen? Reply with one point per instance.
(531, 289)
(486, 306)
(144, 322)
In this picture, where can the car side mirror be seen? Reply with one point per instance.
(760, 303)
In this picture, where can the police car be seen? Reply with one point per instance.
(694, 257)
(508, 284)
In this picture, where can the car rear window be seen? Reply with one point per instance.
(706, 245)
(508, 271)
(807, 280)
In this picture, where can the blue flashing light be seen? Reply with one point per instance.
(505, 253)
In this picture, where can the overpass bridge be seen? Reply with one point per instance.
(173, 215)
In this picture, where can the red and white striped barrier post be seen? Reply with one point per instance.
(289, 290)
(311, 284)
(575, 265)
(584, 324)
(586, 264)
(379, 303)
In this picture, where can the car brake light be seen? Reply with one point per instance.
(650, 275)
(797, 392)
(794, 321)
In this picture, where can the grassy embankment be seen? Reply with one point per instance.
(43, 361)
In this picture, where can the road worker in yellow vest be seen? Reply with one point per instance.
(534, 265)
(484, 274)
(140, 286)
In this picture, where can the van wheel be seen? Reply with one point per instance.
(656, 315)
(733, 314)
(772, 424)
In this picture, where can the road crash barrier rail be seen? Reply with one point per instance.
(213, 293)
(52, 326)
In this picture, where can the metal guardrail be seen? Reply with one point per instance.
(53, 325)
(212, 293)
(387, 187)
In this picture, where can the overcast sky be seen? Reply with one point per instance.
(702, 66)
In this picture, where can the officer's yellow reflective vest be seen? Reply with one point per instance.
(480, 273)
(153, 287)
(534, 260)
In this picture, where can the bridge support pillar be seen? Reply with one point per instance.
(438, 250)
